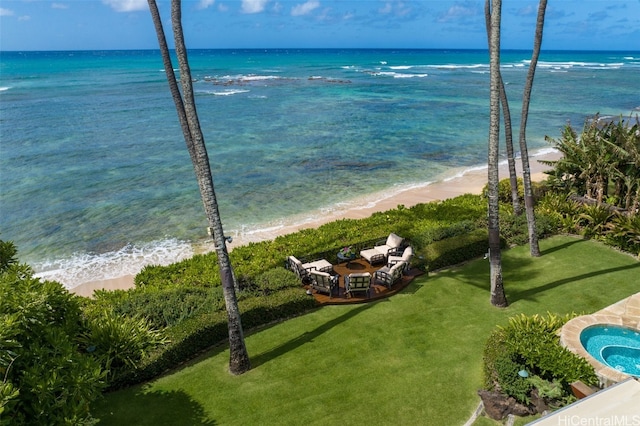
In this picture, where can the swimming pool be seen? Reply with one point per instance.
(615, 346)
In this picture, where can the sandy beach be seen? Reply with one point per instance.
(449, 186)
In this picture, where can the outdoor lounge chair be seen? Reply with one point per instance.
(323, 282)
(379, 253)
(302, 269)
(406, 257)
(357, 282)
(389, 274)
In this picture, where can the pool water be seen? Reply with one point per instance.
(615, 346)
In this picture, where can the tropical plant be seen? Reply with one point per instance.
(594, 219)
(606, 158)
(531, 344)
(118, 342)
(624, 231)
(45, 377)
(192, 132)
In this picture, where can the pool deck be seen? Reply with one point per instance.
(623, 313)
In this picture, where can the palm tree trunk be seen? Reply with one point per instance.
(188, 116)
(498, 297)
(508, 131)
(524, 152)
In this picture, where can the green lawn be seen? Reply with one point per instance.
(415, 358)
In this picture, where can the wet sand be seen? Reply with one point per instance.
(453, 185)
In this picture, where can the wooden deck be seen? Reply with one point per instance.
(377, 291)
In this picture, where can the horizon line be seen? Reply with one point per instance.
(318, 48)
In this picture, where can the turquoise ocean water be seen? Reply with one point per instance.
(96, 180)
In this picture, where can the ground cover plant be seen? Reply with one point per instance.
(413, 358)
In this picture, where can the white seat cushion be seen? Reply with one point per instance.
(321, 265)
(393, 241)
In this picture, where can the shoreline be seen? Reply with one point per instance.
(453, 184)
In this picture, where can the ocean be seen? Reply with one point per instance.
(96, 181)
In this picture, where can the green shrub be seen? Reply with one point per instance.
(169, 306)
(504, 191)
(515, 230)
(118, 342)
(196, 334)
(510, 381)
(275, 280)
(45, 377)
(624, 232)
(534, 339)
(547, 389)
(250, 260)
(493, 349)
(455, 250)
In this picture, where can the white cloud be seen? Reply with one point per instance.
(458, 12)
(253, 6)
(527, 11)
(5, 12)
(396, 8)
(24, 18)
(59, 6)
(205, 3)
(304, 8)
(388, 7)
(126, 5)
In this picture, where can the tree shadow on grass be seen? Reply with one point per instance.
(157, 408)
(308, 336)
(531, 292)
(562, 246)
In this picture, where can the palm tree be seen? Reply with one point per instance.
(508, 132)
(188, 117)
(498, 297)
(524, 153)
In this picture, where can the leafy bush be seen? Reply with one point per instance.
(253, 259)
(493, 349)
(165, 307)
(624, 232)
(534, 339)
(547, 389)
(511, 382)
(452, 251)
(504, 191)
(593, 220)
(276, 279)
(531, 343)
(46, 378)
(514, 228)
(118, 342)
(198, 333)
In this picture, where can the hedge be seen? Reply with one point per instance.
(455, 250)
(199, 333)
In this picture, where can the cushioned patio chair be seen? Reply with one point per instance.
(302, 269)
(379, 253)
(323, 282)
(389, 274)
(406, 257)
(357, 283)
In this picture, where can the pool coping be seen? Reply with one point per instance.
(624, 313)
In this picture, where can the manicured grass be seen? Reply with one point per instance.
(415, 358)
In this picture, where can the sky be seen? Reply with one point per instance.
(126, 24)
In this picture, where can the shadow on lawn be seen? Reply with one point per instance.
(163, 408)
(530, 292)
(308, 336)
(550, 250)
